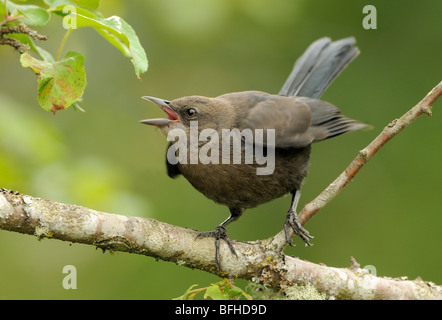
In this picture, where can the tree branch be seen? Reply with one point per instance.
(22, 28)
(21, 47)
(259, 261)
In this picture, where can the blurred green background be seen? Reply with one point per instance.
(388, 217)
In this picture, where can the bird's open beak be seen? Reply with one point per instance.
(165, 105)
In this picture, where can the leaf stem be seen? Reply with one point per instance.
(62, 44)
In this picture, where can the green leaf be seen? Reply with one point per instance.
(23, 38)
(34, 15)
(63, 10)
(115, 42)
(184, 296)
(2, 9)
(61, 83)
(90, 5)
(233, 292)
(120, 34)
(214, 292)
(138, 55)
(45, 55)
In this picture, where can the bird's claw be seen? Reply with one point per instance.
(218, 233)
(292, 222)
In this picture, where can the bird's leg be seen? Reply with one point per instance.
(292, 221)
(220, 233)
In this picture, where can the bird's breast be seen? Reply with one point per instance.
(239, 185)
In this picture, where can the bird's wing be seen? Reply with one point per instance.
(297, 121)
(327, 120)
(290, 118)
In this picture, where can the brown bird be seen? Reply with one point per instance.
(296, 117)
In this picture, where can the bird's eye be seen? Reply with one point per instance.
(191, 113)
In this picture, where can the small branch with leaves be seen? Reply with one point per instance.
(260, 261)
(62, 80)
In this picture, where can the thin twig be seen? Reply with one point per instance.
(21, 47)
(391, 130)
(15, 43)
(22, 29)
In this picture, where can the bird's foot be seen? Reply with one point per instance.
(292, 221)
(218, 233)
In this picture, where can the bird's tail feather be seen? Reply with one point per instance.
(318, 66)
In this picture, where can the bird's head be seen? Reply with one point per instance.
(210, 113)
